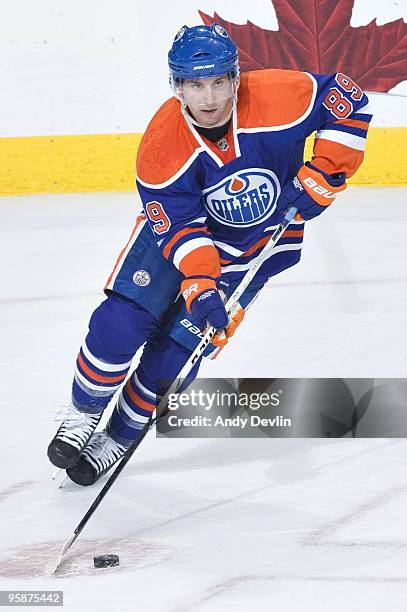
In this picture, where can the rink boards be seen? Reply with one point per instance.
(106, 162)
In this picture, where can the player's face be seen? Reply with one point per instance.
(209, 99)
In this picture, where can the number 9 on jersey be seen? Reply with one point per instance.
(158, 217)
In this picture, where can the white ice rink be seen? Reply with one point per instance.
(287, 525)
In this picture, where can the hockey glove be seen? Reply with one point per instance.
(311, 192)
(204, 301)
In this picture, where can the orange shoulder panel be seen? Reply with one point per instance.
(269, 98)
(166, 146)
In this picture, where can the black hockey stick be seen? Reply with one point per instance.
(234, 298)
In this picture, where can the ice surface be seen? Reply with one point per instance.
(205, 525)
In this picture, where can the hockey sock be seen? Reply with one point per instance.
(160, 363)
(117, 328)
(98, 375)
(135, 405)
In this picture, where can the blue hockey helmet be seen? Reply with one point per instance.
(202, 51)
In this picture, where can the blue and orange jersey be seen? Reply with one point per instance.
(212, 210)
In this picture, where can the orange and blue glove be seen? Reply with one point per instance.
(206, 303)
(311, 191)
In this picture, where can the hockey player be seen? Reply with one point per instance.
(218, 166)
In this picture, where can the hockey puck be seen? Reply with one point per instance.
(106, 561)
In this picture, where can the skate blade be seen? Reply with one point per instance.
(59, 477)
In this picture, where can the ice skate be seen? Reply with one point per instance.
(96, 459)
(72, 436)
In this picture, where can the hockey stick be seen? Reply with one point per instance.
(198, 352)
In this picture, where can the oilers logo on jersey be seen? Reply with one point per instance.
(243, 198)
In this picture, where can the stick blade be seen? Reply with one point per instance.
(55, 567)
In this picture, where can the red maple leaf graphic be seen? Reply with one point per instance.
(316, 36)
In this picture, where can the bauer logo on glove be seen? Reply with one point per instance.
(311, 191)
